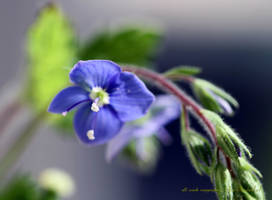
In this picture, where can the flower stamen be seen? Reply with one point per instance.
(95, 107)
(90, 134)
(100, 97)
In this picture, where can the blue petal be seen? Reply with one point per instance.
(131, 99)
(67, 99)
(165, 109)
(95, 73)
(105, 124)
(164, 136)
(117, 144)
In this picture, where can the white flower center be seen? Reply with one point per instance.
(100, 97)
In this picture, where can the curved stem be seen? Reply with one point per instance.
(161, 81)
(169, 86)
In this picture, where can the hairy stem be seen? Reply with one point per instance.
(186, 118)
(163, 82)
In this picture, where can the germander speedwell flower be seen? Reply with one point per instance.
(165, 109)
(106, 97)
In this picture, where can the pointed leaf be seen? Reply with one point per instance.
(183, 71)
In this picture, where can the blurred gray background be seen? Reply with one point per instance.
(231, 40)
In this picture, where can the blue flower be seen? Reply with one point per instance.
(105, 96)
(165, 109)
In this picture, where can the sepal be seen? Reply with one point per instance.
(227, 139)
(214, 98)
(199, 151)
(223, 182)
(182, 71)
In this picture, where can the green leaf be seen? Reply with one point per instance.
(20, 187)
(183, 71)
(223, 182)
(133, 45)
(51, 53)
(215, 89)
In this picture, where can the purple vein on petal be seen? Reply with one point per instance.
(74, 105)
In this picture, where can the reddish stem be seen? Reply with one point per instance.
(188, 79)
(163, 82)
(160, 80)
(186, 118)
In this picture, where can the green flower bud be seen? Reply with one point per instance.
(227, 139)
(251, 185)
(213, 97)
(223, 182)
(199, 151)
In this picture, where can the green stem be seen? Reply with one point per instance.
(17, 148)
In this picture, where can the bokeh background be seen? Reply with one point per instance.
(231, 40)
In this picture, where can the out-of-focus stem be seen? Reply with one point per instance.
(8, 113)
(17, 148)
(188, 79)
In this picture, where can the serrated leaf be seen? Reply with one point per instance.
(133, 45)
(51, 53)
(183, 71)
